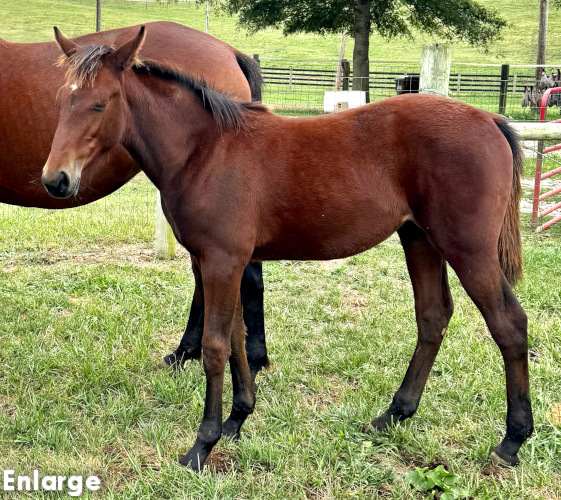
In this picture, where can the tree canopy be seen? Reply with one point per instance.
(449, 19)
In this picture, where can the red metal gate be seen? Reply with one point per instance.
(538, 196)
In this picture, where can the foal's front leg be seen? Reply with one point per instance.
(242, 380)
(252, 299)
(221, 276)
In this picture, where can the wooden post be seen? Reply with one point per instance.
(98, 15)
(256, 57)
(165, 240)
(505, 70)
(346, 74)
(339, 75)
(435, 69)
(541, 131)
(537, 179)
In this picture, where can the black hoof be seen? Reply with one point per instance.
(177, 359)
(502, 459)
(192, 461)
(256, 366)
(231, 430)
(382, 423)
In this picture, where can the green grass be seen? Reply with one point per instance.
(87, 313)
(32, 21)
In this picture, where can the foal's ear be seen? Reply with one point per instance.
(66, 45)
(125, 56)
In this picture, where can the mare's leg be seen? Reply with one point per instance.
(252, 306)
(221, 276)
(252, 299)
(483, 280)
(190, 345)
(242, 381)
(433, 310)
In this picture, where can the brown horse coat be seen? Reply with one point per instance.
(29, 81)
(240, 183)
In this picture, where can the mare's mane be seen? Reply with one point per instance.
(83, 65)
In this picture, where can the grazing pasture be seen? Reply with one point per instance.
(86, 317)
(88, 313)
(32, 21)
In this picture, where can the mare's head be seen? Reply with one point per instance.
(92, 110)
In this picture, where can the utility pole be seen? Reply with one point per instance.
(98, 15)
(542, 38)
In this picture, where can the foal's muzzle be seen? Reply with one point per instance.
(59, 187)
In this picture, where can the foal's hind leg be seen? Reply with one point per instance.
(242, 380)
(484, 282)
(433, 309)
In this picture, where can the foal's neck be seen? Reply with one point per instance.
(167, 125)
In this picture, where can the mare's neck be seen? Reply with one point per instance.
(166, 129)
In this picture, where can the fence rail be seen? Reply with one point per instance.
(467, 82)
(296, 86)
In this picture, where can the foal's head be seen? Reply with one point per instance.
(92, 115)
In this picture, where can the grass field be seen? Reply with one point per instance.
(32, 21)
(88, 313)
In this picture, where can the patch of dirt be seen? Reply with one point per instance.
(137, 254)
(496, 472)
(355, 300)
(413, 461)
(6, 406)
(528, 188)
(220, 460)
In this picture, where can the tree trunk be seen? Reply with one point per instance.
(542, 38)
(361, 66)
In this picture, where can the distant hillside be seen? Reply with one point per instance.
(32, 20)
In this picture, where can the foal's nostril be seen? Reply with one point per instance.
(58, 187)
(63, 181)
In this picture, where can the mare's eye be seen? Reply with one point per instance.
(98, 107)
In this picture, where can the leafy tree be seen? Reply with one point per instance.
(449, 19)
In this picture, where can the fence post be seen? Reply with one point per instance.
(505, 69)
(165, 240)
(346, 74)
(435, 68)
(256, 57)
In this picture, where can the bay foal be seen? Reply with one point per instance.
(28, 120)
(240, 183)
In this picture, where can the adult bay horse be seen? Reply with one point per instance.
(240, 183)
(29, 81)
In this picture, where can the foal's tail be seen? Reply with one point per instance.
(250, 68)
(510, 241)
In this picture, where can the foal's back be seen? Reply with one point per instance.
(340, 184)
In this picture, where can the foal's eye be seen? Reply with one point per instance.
(98, 107)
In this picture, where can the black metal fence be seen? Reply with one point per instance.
(297, 86)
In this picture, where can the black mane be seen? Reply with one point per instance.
(227, 113)
(83, 65)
